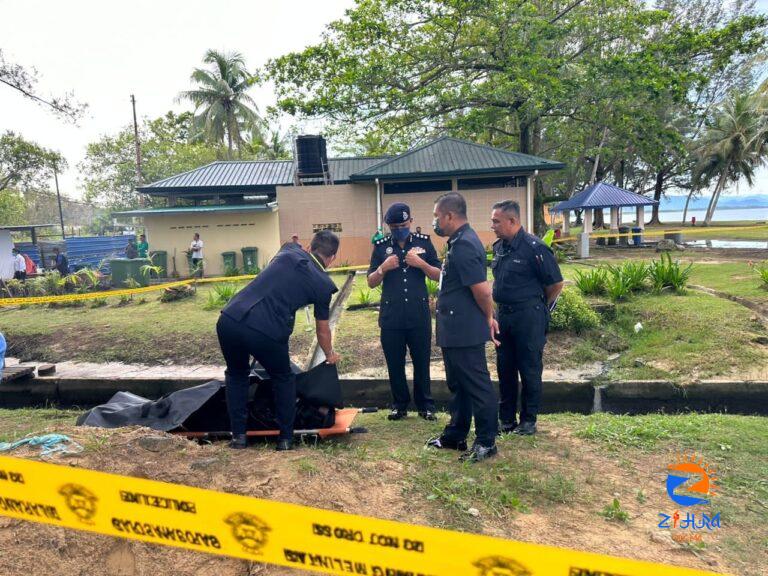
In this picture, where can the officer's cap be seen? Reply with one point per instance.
(398, 213)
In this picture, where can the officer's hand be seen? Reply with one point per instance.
(412, 258)
(333, 358)
(390, 263)
(494, 331)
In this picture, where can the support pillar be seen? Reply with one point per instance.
(566, 222)
(640, 217)
(588, 217)
(614, 218)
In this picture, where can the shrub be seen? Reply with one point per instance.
(666, 273)
(433, 287)
(220, 295)
(573, 313)
(364, 296)
(617, 285)
(231, 271)
(15, 288)
(634, 274)
(592, 282)
(762, 271)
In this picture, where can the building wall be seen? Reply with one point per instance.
(479, 204)
(353, 208)
(350, 209)
(6, 256)
(219, 233)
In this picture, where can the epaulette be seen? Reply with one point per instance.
(421, 236)
(533, 241)
(386, 238)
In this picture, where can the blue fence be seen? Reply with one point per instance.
(91, 251)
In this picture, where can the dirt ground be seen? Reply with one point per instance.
(344, 479)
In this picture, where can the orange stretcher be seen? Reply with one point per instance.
(342, 426)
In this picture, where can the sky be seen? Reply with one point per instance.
(104, 51)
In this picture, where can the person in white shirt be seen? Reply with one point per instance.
(196, 249)
(19, 265)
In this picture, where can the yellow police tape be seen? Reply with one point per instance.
(654, 233)
(279, 533)
(29, 300)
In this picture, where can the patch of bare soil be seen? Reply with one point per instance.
(600, 479)
(375, 488)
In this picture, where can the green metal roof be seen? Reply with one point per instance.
(271, 207)
(453, 157)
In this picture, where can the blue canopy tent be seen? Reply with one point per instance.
(599, 196)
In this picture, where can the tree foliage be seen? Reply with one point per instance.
(26, 165)
(579, 80)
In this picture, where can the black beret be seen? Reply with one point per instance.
(397, 213)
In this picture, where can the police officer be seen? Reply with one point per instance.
(400, 261)
(527, 282)
(259, 320)
(465, 323)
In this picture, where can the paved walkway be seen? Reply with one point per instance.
(120, 371)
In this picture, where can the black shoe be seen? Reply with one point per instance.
(440, 443)
(283, 445)
(478, 453)
(428, 415)
(239, 442)
(526, 429)
(397, 414)
(507, 427)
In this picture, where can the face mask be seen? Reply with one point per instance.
(436, 227)
(401, 234)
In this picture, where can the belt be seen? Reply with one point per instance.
(509, 308)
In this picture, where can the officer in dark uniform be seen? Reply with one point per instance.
(400, 261)
(259, 320)
(527, 282)
(465, 323)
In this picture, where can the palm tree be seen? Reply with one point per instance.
(733, 146)
(223, 109)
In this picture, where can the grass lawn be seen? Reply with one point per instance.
(592, 483)
(736, 278)
(716, 231)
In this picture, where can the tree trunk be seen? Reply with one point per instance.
(578, 217)
(657, 189)
(599, 220)
(685, 210)
(229, 144)
(716, 195)
(593, 177)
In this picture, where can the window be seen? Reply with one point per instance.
(335, 227)
(497, 182)
(415, 187)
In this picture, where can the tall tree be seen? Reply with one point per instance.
(24, 164)
(223, 108)
(733, 146)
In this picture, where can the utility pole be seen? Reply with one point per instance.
(138, 146)
(58, 196)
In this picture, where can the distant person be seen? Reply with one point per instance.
(196, 250)
(31, 266)
(60, 262)
(130, 251)
(143, 246)
(418, 229)
(19, 265)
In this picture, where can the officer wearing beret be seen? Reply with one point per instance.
(258, 322)
(400, 261)
(527, 282)
(464, 325)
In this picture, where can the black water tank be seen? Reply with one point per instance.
(311, 155)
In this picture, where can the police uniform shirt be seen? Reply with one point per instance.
(460, 321)
(292, 280)
(522, 267)
(404, 296)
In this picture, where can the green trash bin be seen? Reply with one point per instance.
(125, 268)
(230, 261)
(160, 258)
(250, 260)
